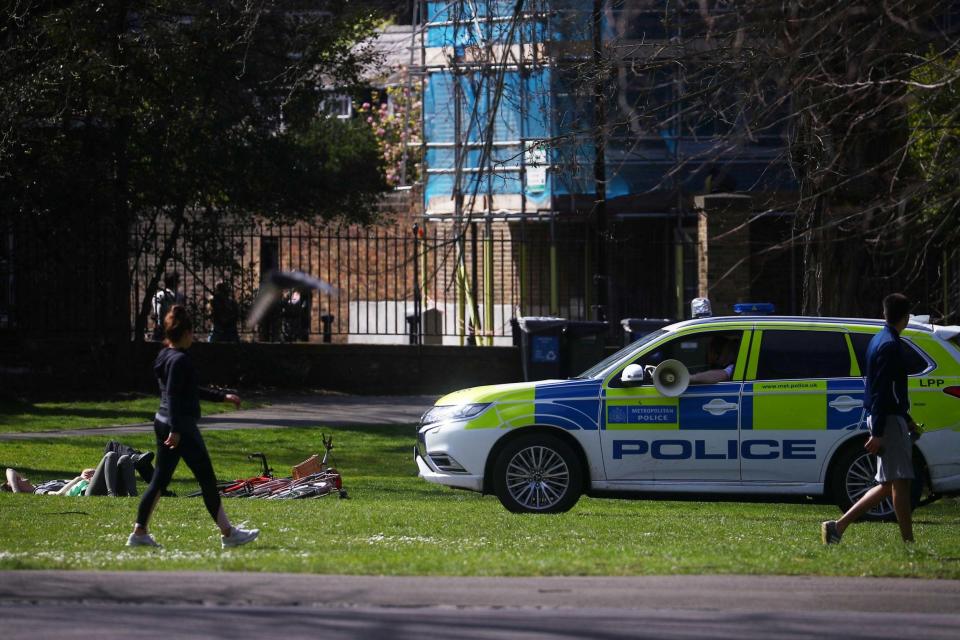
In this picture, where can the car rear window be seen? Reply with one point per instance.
(791, 355)
(916, 363)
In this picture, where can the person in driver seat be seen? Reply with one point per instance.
(721, 360)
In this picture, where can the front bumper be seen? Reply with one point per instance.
(459, 480)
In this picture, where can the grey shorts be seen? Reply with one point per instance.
(895, 461)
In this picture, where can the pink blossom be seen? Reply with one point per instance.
(366, 105)
(381, 131)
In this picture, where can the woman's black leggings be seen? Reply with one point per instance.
(194, 452)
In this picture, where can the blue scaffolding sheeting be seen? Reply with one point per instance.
(526, 70)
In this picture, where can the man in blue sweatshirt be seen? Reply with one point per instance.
(887, 404)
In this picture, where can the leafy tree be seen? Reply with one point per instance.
(397, 130)
(194, 114)
(935, 138)
(863, 96)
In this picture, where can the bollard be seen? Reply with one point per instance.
(327, 321)
(413, 322)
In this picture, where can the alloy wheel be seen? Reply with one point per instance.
(860, 478)
(537, 477)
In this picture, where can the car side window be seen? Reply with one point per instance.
(915, 362)
(698, 352)
(791, 355)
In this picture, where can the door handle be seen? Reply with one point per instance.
(845, 404)
(719, 406)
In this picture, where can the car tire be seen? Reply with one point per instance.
(853, 475)
(538, 473)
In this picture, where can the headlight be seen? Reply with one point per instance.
(452, 412)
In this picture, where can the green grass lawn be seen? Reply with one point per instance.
(21, 416)
(395, 523)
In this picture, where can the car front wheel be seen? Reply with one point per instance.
(538, 473)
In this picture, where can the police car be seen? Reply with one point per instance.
(786, 417)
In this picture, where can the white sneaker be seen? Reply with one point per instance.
(141, 540)
(239, 537)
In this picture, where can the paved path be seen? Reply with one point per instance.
(295, 411)
(36, 604)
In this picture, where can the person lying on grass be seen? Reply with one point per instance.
(114, 476)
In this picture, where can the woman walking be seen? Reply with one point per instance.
(179, 437)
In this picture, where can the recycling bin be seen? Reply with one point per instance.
(584, 345)
(636, 328)
(540, 344)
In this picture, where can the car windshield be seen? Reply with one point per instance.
(599, 369)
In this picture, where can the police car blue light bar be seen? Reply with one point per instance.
(754, 308)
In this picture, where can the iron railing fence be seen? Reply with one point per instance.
(433, 282)
(61, 278)
(437, 282)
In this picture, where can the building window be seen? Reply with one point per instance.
(337, 106)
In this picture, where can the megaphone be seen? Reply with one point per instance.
(671, 378)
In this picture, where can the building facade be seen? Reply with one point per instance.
(569, 123)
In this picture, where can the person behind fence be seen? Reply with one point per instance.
(178, 436)
(114, 477)
(164, 300)
(295, 314)
(224, 313)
